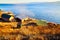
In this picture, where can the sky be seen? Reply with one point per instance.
(25, 1)
(49, 11)
(46, 10)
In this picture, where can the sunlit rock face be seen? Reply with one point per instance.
(7, 16)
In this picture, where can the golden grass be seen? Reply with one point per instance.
(31, 31)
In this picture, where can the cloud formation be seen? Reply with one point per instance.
(23, 12)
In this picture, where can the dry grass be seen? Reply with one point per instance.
(27, 32)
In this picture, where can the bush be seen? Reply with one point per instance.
(40, 22)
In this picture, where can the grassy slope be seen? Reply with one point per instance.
(32, 32)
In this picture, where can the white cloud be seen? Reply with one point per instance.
(23, 12)
(25, 1)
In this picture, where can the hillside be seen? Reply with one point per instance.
(31, 29)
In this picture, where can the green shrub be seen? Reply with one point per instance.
(40, 22)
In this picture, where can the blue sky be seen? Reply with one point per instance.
(49, 11)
